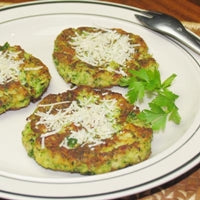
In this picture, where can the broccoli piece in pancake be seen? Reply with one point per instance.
(86, 131)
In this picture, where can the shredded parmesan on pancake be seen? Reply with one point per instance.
(9, 66)
(102, 48)
(95, 122)
(33, 68)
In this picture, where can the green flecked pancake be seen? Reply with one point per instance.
(23, 78)
(99, 57)
(86, 130)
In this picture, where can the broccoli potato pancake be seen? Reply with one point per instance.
(86, 131)
(23, 78)
(99, 57)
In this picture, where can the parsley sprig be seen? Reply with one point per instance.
(162, 108)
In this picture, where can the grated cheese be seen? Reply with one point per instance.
(95, 122)
(9, 66)
(33, 68)
(102, 48)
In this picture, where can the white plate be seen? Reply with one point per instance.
(34, 26)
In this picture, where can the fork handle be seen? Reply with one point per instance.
(187, 38)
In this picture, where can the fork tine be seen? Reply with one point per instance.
(150, 13)
(143, 19)
(155, 13)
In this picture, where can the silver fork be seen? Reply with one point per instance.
(170, 26)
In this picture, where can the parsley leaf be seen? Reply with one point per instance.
(157, 120)
(162, 107)
(141, 81)
(168, 81)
